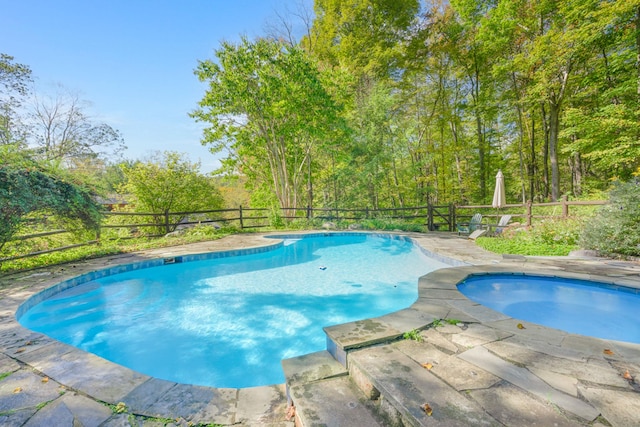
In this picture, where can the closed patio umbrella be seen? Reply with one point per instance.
(499, 199)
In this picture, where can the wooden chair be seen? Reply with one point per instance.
(471, 226)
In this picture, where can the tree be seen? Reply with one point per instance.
(14, 87)
(62, 131)
(267, 107)
(362, 36)
(169, 182)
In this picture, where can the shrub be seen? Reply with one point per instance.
(615, 227)
(555, 237)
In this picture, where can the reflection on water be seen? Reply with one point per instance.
(227, 322)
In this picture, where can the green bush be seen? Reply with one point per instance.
(555, 237)
(615, 227)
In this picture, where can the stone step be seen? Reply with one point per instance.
(322, 393)
(403, 388)
(334, 402)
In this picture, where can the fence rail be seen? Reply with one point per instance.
(434, 217)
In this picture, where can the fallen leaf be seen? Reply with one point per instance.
(521, 326)
(20, 350)
(427, 409)
(627, 375)
(45, 380)
(17, 390)
(427, 366)
(291, 412)
(607, 351)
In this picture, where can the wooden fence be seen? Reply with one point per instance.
(434, 217)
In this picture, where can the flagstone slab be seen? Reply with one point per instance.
(421, 352)
(479, 312)
(408, 319)
(141, 398)
(530, 331)
(197, 404)
(591, 370)
(524, 379)
(333, 402)
(476, 334)
(95, 376)
(71, 410)
(311, 367)
(7, 364)
(463, 375)
(261, 405)
(25, 389)
(514, 407)
(564, 383)
(408, 387)
(620, 408)
(434, 337)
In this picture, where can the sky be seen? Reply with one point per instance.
(133, 60)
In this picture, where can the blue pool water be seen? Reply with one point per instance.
(228, 322)
(575, 306)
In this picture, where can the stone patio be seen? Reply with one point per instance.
(482, 370)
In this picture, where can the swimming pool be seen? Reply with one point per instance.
(577, 306)
(229, 320)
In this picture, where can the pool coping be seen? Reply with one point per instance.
(99, 382)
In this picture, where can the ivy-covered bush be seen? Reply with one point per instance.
(615, 228)
(23, 191)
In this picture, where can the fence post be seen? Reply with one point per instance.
(529, 212)
(308, 212)
(166, 221)
(452, 216)
(565, 207)
(240, 217)
(429, 216)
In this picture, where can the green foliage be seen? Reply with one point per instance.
(27, 191)
(14, 87)
(389, 224)
(169, 183)
(547, 238)
(362, 36)
(267, 108)
(615, 228)
(109, 246)
(413, 335)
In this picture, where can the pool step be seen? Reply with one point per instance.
(323, 394)
(407, 394)
(382, 387)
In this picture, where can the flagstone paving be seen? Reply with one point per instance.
(483, 370)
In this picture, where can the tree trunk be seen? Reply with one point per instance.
(638, 50)
(545, 153)
(554, 129)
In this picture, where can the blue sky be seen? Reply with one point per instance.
(133, 59)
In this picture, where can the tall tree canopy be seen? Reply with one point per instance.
(14, 87)
(436, 97)
(267, 106)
